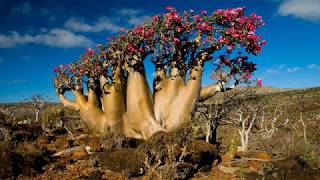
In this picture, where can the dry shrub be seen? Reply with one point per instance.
(176, 155)
(5, 134)
(56, 116)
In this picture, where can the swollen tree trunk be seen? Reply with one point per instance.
(113, 102)
(175, 100)
(89, 110)
(127, 106)
(139, 117)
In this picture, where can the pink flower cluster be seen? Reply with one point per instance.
(144, 32)
(240, 29)
(89, 52)
(229, 14)
(172, 18)
(225, 29)
(239, 66)
(259, 82)
(205, 26)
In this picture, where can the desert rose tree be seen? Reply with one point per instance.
(110, 87)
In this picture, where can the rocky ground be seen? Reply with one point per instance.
(60, 147)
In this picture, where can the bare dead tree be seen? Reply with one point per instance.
(245, 117)
(210, 113)
(38, 103)
(271, 122)
(215, 112)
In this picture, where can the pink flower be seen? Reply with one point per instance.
(247, 75)
(141, 50)
(130, 48)
(259, 82)
(239, 9)
(205, 27)
(89, 52)
(173, 16)
(208, 39)
(230, 48)
(222, 40)
(241, 20)
(263, 43)
(122, 30)
(56, 69)
(252, 37)
(203, 12)
(155, 18)
(176, 40)
(169, 8)
(178, 29)
(197, 18)
(255, 16)
(82, 70)
(251, 27)
(73, 70)
(63, 66)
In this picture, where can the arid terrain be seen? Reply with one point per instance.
(283, 142)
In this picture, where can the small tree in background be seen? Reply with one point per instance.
(38, 103)
(245, 117)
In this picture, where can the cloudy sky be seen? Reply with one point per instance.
(37, 35)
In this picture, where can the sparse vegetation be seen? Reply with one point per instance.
(179, 154)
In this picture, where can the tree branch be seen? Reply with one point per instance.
(209, 91)
(68, 103)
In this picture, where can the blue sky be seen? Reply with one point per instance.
(37, 35)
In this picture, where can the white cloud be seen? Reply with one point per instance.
(133, 16)
(16, 81)
(43, 30)
(314, 66)
(55, 38)
(65, 37)
(62, 38)
(103, 24)
(277, 68)
(272, 71)
(12, 82)
(281, 66)
(129, 12)
(136, 20)
(291, 70)
(13, 39)
(304, 9)
(122, 18)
